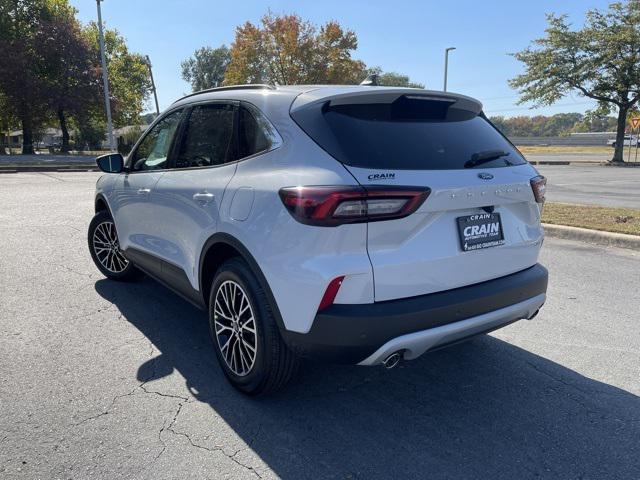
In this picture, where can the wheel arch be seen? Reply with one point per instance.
(101, 204)
(221, 247)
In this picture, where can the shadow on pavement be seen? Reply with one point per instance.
(483, 409)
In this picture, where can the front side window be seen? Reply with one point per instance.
(207, 138)
(153, 151)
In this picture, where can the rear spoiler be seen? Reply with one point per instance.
(381, 95)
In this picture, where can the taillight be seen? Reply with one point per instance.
(539, 187)
(329, 206)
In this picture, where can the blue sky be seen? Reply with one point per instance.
(404, 36)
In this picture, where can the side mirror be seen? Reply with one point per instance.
(111, 163)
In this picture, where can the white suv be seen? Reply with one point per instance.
(354, 224)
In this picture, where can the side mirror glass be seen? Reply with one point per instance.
(111, 163)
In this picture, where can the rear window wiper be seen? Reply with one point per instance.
(479, 158)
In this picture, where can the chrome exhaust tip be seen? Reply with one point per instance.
(392, 360)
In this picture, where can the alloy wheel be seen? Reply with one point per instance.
(107, 248)
(235, 328)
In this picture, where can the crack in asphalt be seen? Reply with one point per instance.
(92, 313)
(69, 269)
(186, 435)
(170, 427)
(141, 386)
(231, 457)
(51, 176)
(107, 411)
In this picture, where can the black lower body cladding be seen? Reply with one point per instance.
(350, 333)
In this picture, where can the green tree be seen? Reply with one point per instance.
(147, 118)
(502, 124)
(71, 76)
(206, 68)
(7, 123)
(22, 67)
(595, 122)
(287, 50)
(555, 125)
(129, 81)
(599, 61)
(392, 79)
(91, 130)
(560, 124)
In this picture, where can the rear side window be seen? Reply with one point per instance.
(207, 138)
(256, 134)
(406, 135)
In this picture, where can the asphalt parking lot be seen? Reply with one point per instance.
(593, 184)
(108, 380)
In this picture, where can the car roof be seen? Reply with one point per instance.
(311, 93)
(243, 92)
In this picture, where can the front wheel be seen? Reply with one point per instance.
(245, 335)
(105, 249)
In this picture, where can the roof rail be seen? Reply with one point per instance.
(248, 86)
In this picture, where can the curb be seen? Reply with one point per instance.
(48, 168)
(607, 239)
(547, 162)
(586, 163)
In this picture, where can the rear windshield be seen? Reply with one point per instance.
(397, 136)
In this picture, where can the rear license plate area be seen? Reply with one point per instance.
(482, 230)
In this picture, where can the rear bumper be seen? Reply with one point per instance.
(367, 333)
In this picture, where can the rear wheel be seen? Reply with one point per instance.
(105, 249)
(245, 335)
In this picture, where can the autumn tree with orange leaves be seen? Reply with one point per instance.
(287, 50)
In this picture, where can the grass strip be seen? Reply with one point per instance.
(608, 219)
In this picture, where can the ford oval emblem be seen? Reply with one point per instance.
(485, 176)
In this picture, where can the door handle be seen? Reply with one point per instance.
(203, 197)
(144, 191)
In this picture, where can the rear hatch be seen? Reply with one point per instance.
(480, 220)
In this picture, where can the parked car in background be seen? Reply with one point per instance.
(629, 141)
(354, 224)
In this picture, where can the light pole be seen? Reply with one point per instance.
(446, 65)
(105, 81)
(153, 85)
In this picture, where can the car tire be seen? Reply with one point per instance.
(238, 305)
(105, 249)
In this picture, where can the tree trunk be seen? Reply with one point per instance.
(27, 137)
(65, 131)
(622, 125)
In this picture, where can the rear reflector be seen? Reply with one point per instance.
(330, 293)
(539, 187)
(329, 206)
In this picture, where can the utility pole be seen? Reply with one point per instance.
(446, 65)
(105, 81)
(153, 84)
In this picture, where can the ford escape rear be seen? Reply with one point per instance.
(354, 224)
